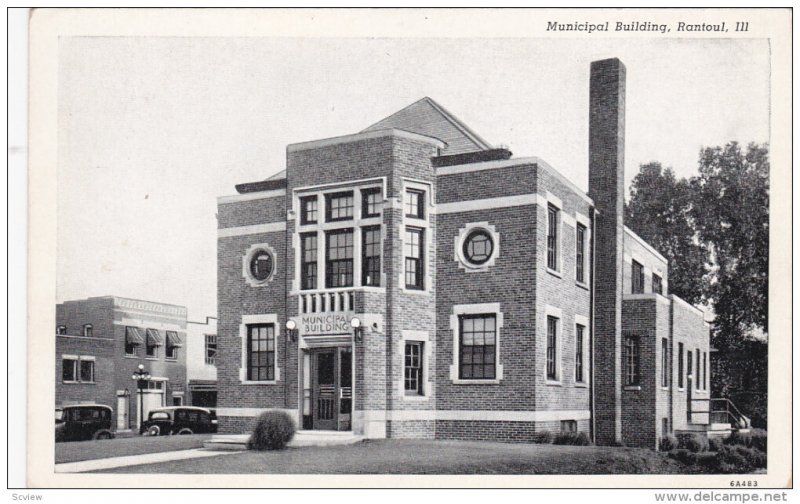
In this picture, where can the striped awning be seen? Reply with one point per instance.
(173, 340)
(133, 336)
(154, 337)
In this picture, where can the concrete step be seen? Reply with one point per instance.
(234, 442)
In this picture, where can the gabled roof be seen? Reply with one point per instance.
(427, 117)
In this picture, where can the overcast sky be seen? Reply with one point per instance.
(152, 130)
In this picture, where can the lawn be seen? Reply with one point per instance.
(89, 450)
(393, 456)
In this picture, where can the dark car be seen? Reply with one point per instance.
(84, 421)
(179, 420)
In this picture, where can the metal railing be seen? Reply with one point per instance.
(719, 410)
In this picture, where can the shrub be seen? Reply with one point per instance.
(572, 438)
(737, 459)
(668, 443)
(759, 437)
(544, 437)
(683, 455)
(273, 429)
(714, 443)
(695, 443)
(739, 438)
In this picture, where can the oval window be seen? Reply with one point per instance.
(478, 246)
(261, 265)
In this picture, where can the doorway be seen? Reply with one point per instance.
(331, 388)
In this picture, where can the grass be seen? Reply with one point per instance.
(392, 456)
(89, 450)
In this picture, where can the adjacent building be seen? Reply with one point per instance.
(201, 362)
(413, 280)
(100, 342)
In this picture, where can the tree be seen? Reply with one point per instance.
(660, 210)
(731, 212)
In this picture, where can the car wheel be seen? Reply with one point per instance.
(153, 430)
(103, 434)
(185, 431)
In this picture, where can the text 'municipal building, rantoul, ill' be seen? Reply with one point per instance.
(412, 280)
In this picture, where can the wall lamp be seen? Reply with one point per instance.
(358, 331)
(291, 330)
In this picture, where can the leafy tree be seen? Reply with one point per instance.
(731, 212)
(660, 210)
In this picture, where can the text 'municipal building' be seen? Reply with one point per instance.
(412, 280)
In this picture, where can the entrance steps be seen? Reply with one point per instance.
(235, 442)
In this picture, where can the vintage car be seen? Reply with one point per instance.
(179, 420)
(83, 421)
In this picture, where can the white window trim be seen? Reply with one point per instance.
(465, 231)
(552, 311)
(264, 318)
(248, 255)
(427, 385)
(587, 237)
(555, 202)
(476, 309)
(77, 359)
(423, 224)
(583, 321)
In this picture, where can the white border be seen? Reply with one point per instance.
(476, 309)
(463, 233)
(263, 318)
(251, 250)
(427, 384)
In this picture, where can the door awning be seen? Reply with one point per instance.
(154, 337)
(173, 340)
(133, 336)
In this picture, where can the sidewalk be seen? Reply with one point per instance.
(131, 460)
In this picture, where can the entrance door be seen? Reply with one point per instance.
(325, 389)
(123, 402)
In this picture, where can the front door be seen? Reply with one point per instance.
(122, 412)
(325, 389)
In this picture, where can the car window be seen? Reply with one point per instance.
(180, 416)
(193, 416)
(159, 415)
(59, 414)
(204, 418)
(89, 414)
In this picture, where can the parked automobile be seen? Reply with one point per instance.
(179, 420)
(83, 421)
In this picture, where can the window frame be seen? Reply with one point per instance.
(552, 238)
(681, 378)
(147, 347)
(349, 271)
(637, 278)
(309, 281)
(304, 211)
(330, 197)
(74, 365)
(494, 352)
(631, 361)
(81, 362)
(659, 282)
(367, 265)
(88, 331)
(665, 367)
(478, 231)
(580, 253)
(551, 348)
(61, 330)
(420, 377)
(580, 336)
(210, 359)
(271, 364)
(421, 196)
(365, 203)
(418, 261)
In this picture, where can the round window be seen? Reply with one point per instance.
(478, 246)
(261, 265)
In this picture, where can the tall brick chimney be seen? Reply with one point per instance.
(606, 188)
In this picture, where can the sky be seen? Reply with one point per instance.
(153, 129)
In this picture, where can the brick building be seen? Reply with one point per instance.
(100, 341)
(412, 280)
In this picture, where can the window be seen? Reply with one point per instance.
(698, 383)
(630, 361)
(552, 237)
(87, 330)
(308, 261)
(415, 203)
(371, 202)
(657, 284)
(680, 365)
(579, 331)
(339, 262)
(339, 206)
(371, 263)
(478, 247)
(414, 254)
(413, 368)
(153, 341)
(173, 343)
(552, 338)
(637, 278)
(580, 253)
(211, 349)
(87, 370)
(261, 263)
(308, 210)
(569, 426)
(665, 425)
(151, 350)
(69, 369)
(664, 362)
(177, 400)
(688, 367)
(261, 352)
(133, 338)
(705, 363)
(62, 329)
(171, 353)
(477, 346)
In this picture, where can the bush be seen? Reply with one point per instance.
(544, 437)
(572, 438)
(273, 429)
(737, 459)
(715, 443)
(695, 443)
(668, 443)
(759, 437)
(683, 455)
